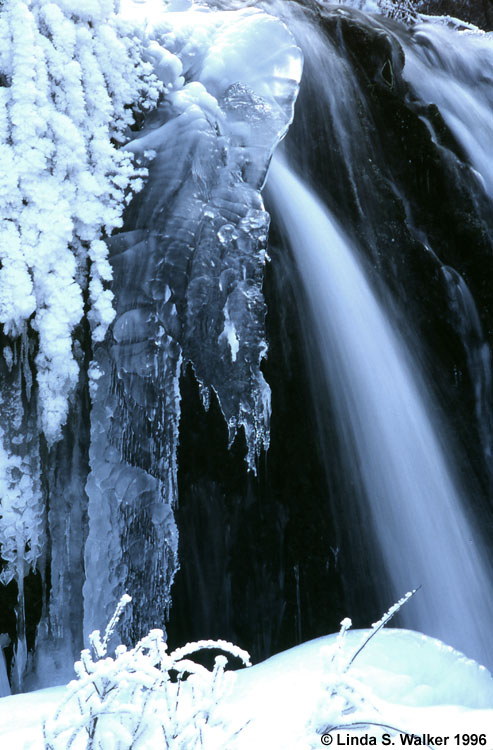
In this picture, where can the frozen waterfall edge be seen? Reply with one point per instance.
(188, 270)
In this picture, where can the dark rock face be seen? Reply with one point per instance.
(478, 12)
(259, 557)
(411, 200)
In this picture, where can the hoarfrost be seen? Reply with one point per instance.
(72, 71)
(71, 75)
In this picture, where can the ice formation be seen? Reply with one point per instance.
(416, 683)
(182, 284)
(188, 271)
(69, 74)
(69, 77)
(105, 301)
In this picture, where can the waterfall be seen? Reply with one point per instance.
(417, 516)
(123, 439)
(457, 78)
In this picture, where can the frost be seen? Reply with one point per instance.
(72, 77)
(171, 276)
(132, 700)
(73, 70)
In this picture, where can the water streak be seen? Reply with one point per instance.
(384, 419)
(457, 78)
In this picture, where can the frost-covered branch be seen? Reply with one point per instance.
(381, 624)
(144, 697)
(346, 702)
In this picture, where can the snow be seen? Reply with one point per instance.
(146, 12)
(21, 717)
(415, 679)
(230, 82)
(415, 683)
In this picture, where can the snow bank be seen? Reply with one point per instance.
(418, 683)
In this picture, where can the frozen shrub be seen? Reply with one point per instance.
(345, 701)
(401, 10)
(145, 697)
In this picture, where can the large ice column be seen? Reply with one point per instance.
(188, 272)
(42, 499)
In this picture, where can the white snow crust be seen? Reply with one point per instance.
(417, 684)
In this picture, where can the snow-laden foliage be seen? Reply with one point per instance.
(403, 10)
(148, 697)
(145, 697)
(346, 702)
(69, 73)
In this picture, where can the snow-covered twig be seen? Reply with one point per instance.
(342, 693)
(381, 624)
(145, 697)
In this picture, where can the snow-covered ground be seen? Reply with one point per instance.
(420, 684)
(414, 683)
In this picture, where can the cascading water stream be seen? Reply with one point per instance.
(418, 519)
(457, 78)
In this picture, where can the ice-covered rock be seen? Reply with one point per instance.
(457, 79)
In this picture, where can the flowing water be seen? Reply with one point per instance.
(458, 79)
(417, 516)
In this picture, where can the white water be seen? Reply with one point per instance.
(417, 515)
(458, 79)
